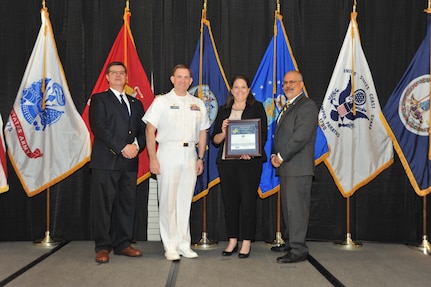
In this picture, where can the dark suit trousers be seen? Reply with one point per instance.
(113, 204)
(295, 202)
(239, 182)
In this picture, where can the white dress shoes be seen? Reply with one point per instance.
(172, 256)
(188, 253)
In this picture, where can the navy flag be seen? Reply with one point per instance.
(267, 87)
(407, 115)
(210, 84)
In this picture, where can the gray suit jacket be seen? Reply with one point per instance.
(294, 138)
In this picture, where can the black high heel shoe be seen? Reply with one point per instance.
(244, 255)
(229, 253)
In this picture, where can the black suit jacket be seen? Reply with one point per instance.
(294, 138)
(113, 129)
(254, 111)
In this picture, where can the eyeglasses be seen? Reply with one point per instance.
(117, 73)
(291, 82)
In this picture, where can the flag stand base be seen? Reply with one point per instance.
(47, 241)
(424, 247)
(205, 243)
(349, 243)
(278, 241)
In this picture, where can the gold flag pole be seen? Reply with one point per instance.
(47, 241)
(204, 242)
(425, 246)
(278, 241)
(348, 243)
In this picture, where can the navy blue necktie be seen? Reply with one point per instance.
(124, 105)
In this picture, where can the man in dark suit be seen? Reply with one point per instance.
(293, 156)
(119, 135)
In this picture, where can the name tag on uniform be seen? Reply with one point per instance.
(174, 107)
(194, 107)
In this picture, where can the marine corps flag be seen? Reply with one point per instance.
(124, 50)
(210, 84)
(350, 118)
(407, 114)
(267, 87)
(3, 165)
(46, 137)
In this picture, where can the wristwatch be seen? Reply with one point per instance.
(201, 158)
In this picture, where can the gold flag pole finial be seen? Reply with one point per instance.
(278, 7)
(204, 10)
(353, 17)
(204, 16)
(428, 10)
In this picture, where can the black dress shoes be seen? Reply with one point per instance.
(244, 255)
(292, 258)
(229, 253)
(280, 248)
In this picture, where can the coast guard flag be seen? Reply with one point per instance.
(268, 89)
(3, 167)
(138, 86)
(407, 113)
(350, 119)
(213, 90)
(46, 137)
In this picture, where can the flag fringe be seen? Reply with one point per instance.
(404, 161)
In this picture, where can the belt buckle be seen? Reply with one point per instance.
(185, 144)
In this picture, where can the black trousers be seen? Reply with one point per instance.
(239, 181)
(113, 208)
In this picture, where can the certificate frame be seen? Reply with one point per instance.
(243, 137)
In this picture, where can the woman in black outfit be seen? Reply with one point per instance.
(240, 177)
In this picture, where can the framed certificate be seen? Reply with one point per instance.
(243, 137)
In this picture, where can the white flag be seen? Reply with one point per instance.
(46, 137)
(3, 170)
(360, 145)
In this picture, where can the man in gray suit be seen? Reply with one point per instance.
(293, 156)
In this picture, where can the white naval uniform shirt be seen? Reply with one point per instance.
(177, 118)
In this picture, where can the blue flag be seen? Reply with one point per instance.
(407, 114)
(267, 87)
(210, 84)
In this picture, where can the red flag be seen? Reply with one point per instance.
(124, 50)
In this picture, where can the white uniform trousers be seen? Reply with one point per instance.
(176, 184)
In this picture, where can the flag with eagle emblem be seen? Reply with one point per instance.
(350, 118)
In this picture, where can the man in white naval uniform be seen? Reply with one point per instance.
(177, 121)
